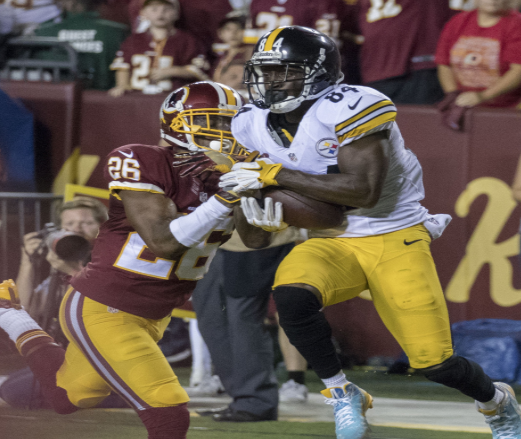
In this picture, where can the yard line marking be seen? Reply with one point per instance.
(433, 427)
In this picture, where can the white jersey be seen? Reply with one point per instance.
(337, 119)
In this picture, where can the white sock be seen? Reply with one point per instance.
(494, 402)
(201, 367)
(339, 380)
(17, 321)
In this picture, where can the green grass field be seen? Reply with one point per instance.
(117, 424)
(124, 424)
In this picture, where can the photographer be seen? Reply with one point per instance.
(79, 222)
(82, 216)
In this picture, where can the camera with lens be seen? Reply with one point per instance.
(68, 246)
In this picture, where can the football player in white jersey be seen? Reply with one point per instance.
(341, 144)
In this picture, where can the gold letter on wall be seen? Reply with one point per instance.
(482, 247)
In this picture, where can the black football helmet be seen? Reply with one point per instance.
(293, 48)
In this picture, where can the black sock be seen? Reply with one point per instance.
(298, 376)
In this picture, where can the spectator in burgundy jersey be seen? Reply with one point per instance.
(230, 64)
(399, 43)
(479, 56)
(327, 16)
(335, 18)
(162, 58)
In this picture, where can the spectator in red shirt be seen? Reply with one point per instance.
(479, 55)
(161, 59)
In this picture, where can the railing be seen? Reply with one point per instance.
(21, 213)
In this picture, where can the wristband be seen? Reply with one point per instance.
(191, 229)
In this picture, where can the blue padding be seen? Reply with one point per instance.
(16, 145)
(495, 344)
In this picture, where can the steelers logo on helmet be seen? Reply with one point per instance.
(328, 147)
(289, 65)
(198, 117)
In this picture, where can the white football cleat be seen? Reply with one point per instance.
(291, 391)
(209, 386)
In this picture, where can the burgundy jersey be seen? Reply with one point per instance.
(140, 53)
(123, 273)
(400, 35)
(326, 16)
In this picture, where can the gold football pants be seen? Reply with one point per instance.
(111, 349)
(398, 270)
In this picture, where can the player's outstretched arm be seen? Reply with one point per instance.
(150, 215)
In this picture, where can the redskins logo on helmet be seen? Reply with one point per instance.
(198, 116)
(303, 57)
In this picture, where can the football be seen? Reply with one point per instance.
(304, 212)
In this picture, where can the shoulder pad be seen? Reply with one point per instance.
(138, 167)
(242, 122)
(355, 111)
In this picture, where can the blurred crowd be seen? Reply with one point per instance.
(458, 53)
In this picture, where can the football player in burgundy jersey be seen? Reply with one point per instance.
(167, 216)
(341, 144)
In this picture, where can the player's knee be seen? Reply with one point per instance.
(84, 396)
(300, 316)
(429, 355)
(166, 422)
(170, 394)
(449, 373)
(295, 303)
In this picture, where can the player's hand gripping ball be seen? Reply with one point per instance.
(251, 175)
(304, 212)
(270, 218)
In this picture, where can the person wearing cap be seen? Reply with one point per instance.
(95, 40)
(160, 59)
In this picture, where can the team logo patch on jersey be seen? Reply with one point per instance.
(327, 147)
(293, 157)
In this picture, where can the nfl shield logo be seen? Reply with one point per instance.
(328, 147)
(293, 157)
(203, 197)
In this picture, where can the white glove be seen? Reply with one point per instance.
(269, 219)
(246, 176)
